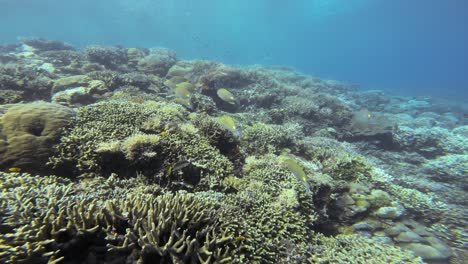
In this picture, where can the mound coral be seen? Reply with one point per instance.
(70, 82)
(217, 76)
(28, 133)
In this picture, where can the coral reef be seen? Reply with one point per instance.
(430, 143)
(25, 83)
(449, 168)
(163, 160)
(150, 137)
(62, 61)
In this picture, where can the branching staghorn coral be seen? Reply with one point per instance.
(49, 219)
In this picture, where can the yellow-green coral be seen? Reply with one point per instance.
(417, 202)
(352, 170)
(339, 160)
(261, 138)
(133, 146)
(100, 123)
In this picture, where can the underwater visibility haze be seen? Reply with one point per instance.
(234, 131)
(415, 47)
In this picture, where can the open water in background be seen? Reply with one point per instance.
(408, 47)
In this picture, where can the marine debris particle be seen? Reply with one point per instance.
(229, 123)
(226, 96)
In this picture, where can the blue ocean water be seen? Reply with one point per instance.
(409, 47)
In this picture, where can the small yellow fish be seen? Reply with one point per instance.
(226, 96)
(178, 79)
(230, 124)
(227, 122)
(169, 170)
(187, 85)
(296, 169)
(365, 112)
(182, 91)
(178, 166)
(240, 238)
(14, 169)
(170, 84)
(184, 101)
